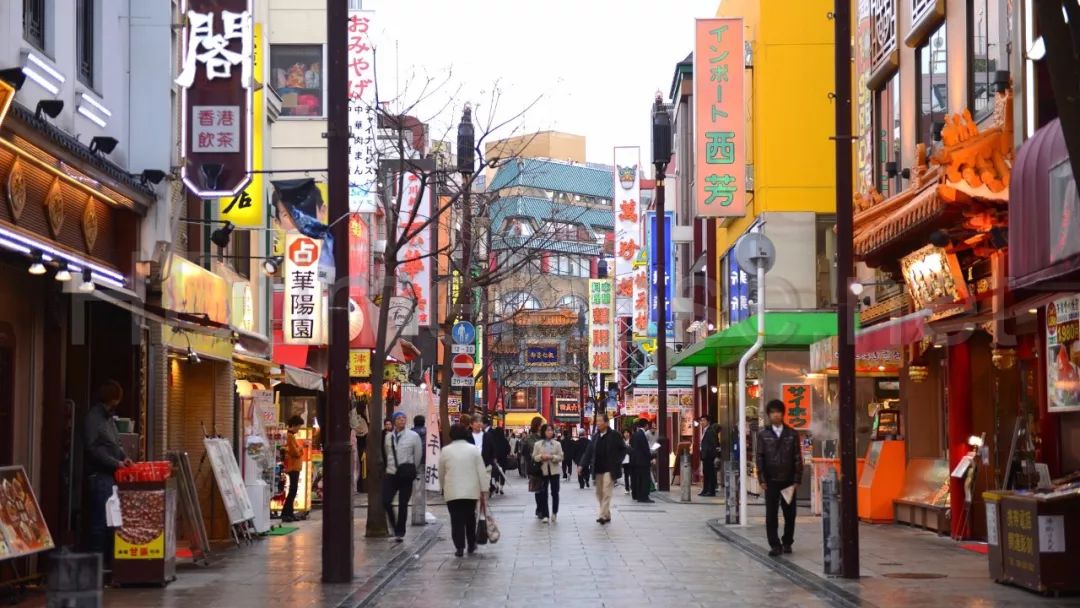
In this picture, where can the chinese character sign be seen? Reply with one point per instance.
(544, 356)
(215, 79)
(719, 118)
(601, 326)
(658, 284)
(1063, 355)
(363, 158)
(433, 444)
(798, 405)
(414, 269)
(303, 322)
(627, 224)
(247, 208)
(640, 321)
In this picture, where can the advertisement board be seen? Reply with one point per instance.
(719, 118)
(1063, 355)
(601, 330)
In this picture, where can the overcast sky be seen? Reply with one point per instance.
(595, 64)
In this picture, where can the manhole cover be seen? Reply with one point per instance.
(914, 575)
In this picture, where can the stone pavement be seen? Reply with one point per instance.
(899, 566)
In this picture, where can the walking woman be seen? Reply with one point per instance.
(548, 453)
(463, 479)
(532, 468)
(626, 470)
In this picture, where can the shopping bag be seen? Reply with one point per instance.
(534, 483)
(493, 533)
(114, 515)
(482, 530)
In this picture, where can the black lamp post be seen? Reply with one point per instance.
(466, 160)
(661, 147)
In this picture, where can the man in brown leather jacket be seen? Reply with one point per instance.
(780, 466)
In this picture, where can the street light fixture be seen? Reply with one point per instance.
(466, 162)
(661, 149)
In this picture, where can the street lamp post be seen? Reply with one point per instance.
(466, 159)
(661, 147)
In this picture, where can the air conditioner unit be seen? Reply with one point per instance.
(379, 246)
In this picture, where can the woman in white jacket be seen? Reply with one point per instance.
(463, 479)
(549, 454)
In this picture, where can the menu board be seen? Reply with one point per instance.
(229, 480)
(22, 527)
(1063, 355)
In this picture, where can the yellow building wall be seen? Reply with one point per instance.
(544, 144)
(789, 114)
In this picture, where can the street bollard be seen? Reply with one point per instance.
(74, 580)
(731, 492)
(830, 522)
(686, 477)
(419, 503)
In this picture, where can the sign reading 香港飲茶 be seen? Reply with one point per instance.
(216, 83)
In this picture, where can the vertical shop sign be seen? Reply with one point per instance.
(627, 225)
(216, 96)
(1063, 355)
(303, 293)
(433, 447)
(363, 155)
(414, 270)
(361, 329)
(656, 250)
(601, 332)
(247, 208)
(864, 123)
(798, 405)
(720, 170)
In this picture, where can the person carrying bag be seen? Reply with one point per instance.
(407, 451)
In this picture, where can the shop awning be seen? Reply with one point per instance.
(893, 333)
(783, 330)
(521, 418)
(301, 378)
(684, 378)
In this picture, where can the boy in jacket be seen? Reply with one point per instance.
(780, 466)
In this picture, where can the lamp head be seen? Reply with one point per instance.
(103, 144)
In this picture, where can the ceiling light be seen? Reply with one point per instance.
(272, 264)
(1033, 311)
(103, 144)
(975, 441)
(714, 389)
(41, 80)
(94, 118)
(63, 274)
(48, 69)
(87, 281)
(37, 268)
(857, 288)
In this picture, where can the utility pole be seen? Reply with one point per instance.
(845, 254)
(661, 140)
(337, 529)
(466, 158)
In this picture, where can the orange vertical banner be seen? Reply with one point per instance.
(798, 405)
(719, 118)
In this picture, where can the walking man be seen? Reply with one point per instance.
(708, 457)
(567, 443)
(640, 462)
(406, 452)
(604, 456)
(780, 468)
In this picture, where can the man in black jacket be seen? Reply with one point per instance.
(604, 456)
(640, 463)
(708, 457)
(780, 467)
(567, 443)
(578, 450)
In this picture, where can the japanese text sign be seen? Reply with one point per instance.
(627, 203)
(414, 270)
(192, 289)
(719, 118)
(641, 301)
(363, 157)
(544, 356)
(567, 410)
(601, 328)
(215, 79)
(432, 444)
(303, 322)
(656, 282)
(247, 208)
(359, 363)
(798, 405)
(1063, 355)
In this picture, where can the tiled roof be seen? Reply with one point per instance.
(556, 176)
(543, 210)
(546, 244)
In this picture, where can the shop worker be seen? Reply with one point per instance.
(104, 455)
(405, 452)
(780, 468)
(294, 461)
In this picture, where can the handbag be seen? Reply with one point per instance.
(493, 533)
(482, 530)
(405, 471)
(535, 483)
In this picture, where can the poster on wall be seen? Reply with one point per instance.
(719, 118)
(1063, 355)
(798, 405)
(627, 205)
(22, 527)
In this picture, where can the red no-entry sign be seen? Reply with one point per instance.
(463, 365)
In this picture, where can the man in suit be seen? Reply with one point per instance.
(603, 456)
(780, 466)
(640, 462)
(708, 457)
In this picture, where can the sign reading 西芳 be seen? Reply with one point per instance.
(719, 118)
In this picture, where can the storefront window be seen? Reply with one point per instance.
(887, 130)
(989, 52)
(296, 72)
(933, 88)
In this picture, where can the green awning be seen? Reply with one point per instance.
(684, 378)
(783, 330)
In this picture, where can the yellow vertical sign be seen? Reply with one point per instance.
(248, 208)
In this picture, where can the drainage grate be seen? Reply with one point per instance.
(914, 575)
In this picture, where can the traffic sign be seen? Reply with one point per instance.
(463, 333)
(463, 365)
(462, 381)
(463, 349)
